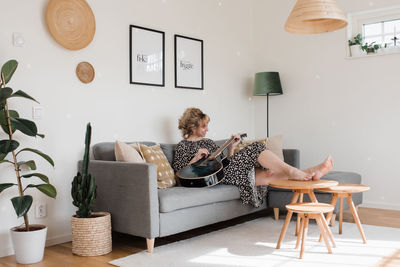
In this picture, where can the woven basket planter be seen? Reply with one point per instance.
(92, 236)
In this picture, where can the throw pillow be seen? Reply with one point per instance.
(273, 143)
(127, 153)
(165, 174)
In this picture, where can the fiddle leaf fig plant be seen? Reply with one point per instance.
(10, 149)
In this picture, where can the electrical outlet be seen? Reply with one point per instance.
(41, 210)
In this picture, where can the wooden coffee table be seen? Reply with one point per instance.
(299, 188)
(345, 191)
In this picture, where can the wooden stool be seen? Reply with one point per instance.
(311, 211)
(346, 190)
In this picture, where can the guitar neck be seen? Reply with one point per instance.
(221, 148)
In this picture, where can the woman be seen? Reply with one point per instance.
(251, 169)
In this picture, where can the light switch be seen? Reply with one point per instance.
(18, 39)
(37, 113)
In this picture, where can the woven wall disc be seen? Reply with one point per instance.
(71, 23)
(85, 72)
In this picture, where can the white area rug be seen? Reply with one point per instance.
(253, 244)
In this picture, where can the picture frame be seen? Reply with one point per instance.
(189, 64)
(146, 56)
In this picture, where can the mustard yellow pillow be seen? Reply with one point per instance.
(273, 143)
(127, 153)
(155, 155)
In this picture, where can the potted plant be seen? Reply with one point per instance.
(355, 44)
(28, 239)
(371, 48)
(91, 231)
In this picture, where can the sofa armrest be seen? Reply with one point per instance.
(129, 192)
(292, 157)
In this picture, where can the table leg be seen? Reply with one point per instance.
(304, 235)
(299, 216)
(340, 214)
(319, 219)
(355, 216)
(328, 231)
(312, 196)
(300, 234)
(329, 215)
(287, 220)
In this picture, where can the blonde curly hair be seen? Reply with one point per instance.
(190, 120)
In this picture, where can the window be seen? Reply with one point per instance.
(377, 26)
(383, 32)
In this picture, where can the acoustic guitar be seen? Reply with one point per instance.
(208, 171)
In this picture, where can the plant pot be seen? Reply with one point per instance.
(91, 236)
(29, 246)
(356, 51)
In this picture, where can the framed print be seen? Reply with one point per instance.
(188, 63)
(146, 56)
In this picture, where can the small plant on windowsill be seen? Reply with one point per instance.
(371, 48)
(356, 45)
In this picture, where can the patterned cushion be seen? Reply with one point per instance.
(127, 153)
(165, 174)
(273, 143)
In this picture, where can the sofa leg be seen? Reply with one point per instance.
(333, 219)
(150, 244)
(276, 213)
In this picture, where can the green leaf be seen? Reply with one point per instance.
(22, 204)
(5, 93)
(2, 161)
(46, 157)
(46, 189)
(8, 69)
(5, 186)
(31, 164)
(40, 135)
(7, 146)
(20, 93)
(42, 177)
(4, 122)
(2, 156)
(26, 126)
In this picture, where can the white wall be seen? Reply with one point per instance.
(116, 108)
(348, 108)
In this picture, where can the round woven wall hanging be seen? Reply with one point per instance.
(71, 23)
(85, 72)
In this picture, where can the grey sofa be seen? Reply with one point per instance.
(129, 192)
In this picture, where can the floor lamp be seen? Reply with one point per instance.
(266, 84)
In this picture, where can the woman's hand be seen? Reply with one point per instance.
(235, 142)
(201, 153)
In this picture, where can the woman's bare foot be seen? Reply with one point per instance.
(299, 175)
(321, 169)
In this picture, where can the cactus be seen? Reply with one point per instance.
(83, 189)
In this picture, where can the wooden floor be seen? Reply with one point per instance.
(124, 245)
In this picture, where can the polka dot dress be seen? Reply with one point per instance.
(240, 171)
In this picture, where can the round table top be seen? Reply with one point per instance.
(346, 188)
(310, 207)
(294, 184)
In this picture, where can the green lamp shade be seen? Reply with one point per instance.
(267, 83)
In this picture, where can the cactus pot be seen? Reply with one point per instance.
(29, 246)
(91, 236)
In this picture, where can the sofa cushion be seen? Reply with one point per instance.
(165, 173)
(178, 197)
(105, 150)
(340, 176)
(128, 153)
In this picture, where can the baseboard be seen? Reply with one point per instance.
(6, 251)
(49, 242)
(380, 205)
(58, 239)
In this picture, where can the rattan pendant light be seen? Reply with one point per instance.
(315, 16)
